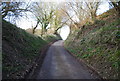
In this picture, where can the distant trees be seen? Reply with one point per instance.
(59, 19)
(80, 12)
(43, 13)
(48, 14)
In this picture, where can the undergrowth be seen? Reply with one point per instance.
(97, 44)
(19, 50)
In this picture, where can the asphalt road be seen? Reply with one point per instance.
(59, 64)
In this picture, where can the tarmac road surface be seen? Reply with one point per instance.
(59, 64)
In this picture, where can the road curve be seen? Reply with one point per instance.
(59, 64)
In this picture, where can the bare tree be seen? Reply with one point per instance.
(83, 10)
(92, 8)
(13, 8)
(43, 15)
(59, 19)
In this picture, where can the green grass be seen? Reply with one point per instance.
(50, 38)
(20, 50)
(98, 46)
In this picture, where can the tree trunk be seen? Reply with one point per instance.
(93, 15)
(35, 27)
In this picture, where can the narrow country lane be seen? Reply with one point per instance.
(59, 64)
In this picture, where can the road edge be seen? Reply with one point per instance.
(82, 61)
(33, 71)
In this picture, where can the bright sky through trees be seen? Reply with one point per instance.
(64, 32)
(29, 23)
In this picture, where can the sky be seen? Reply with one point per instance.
(26, 23)
(64, 32)
(103, 8)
